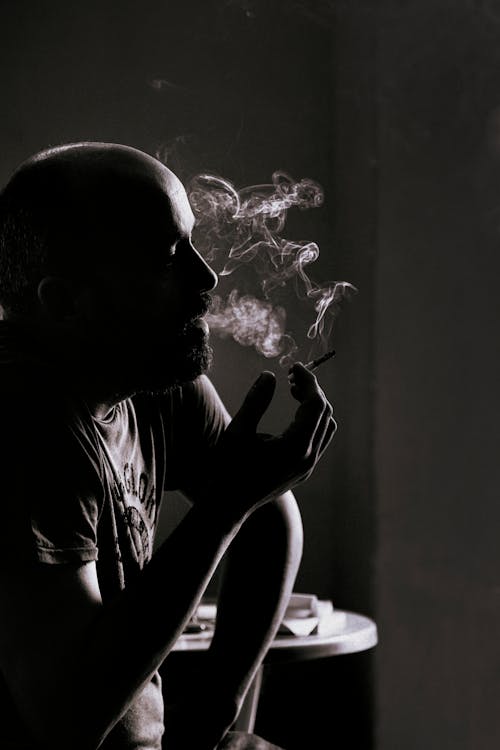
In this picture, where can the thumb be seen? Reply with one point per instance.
(255, 404)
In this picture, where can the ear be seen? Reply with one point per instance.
(57, 298)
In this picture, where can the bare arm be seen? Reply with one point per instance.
(75, 665)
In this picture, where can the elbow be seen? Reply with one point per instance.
(277, 526)
(287, 525)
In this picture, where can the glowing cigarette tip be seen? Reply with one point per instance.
(315, 363)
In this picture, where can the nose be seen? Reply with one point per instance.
(200, 273)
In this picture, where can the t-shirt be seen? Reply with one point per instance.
(77, 489)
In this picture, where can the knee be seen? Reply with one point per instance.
(277, 526)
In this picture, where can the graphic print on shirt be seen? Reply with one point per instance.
(136, 505)
(140, 489)
(129, 463)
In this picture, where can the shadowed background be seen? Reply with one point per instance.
(393, 107)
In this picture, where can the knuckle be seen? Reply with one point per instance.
(318, 399)
(306, 458)
(301, 457)
(317, 404)
(309, 460)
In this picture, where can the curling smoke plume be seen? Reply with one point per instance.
(236, 228)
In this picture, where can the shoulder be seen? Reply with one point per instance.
(201, 403)
(194, 413)
(201, 391)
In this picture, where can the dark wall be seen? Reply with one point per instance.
(438, 367)
(394, 108)
(242, 88)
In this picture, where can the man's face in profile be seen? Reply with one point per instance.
(142, 307)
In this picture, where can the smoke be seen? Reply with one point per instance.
(236, 228)
(252, 322)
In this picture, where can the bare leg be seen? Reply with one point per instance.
(258, 576)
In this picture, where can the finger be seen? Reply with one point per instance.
(299, 435)
(255, 404)
(304, 382)
(299, 377)
(324, 429)
(328, 435)
(320, 444)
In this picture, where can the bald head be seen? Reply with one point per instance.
(87, 165)
(82, 206)
(86, 171)
(96, 253)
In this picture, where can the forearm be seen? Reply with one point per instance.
(258, 575)
(129, 637)
(259, 572)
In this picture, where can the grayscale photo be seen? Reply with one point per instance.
(249, 258)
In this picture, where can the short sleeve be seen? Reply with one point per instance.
(50, 496)
(194, 422)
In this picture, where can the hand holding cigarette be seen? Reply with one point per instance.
(253, 467)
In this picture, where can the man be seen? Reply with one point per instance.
(103, 405)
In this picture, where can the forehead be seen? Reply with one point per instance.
(134, 209)
(104, 205)
(151, 216)
(146, 206)
(176, 202)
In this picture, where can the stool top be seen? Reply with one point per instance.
(358, 634)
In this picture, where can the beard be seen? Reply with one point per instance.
(169, 362)
(150, 356)
(183, 360)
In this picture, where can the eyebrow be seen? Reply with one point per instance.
(178, 234)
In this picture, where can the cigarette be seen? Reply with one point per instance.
(315, 363)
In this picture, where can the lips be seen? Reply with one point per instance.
(199, 308)
(202, 323)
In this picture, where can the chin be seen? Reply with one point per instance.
(183, 362)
